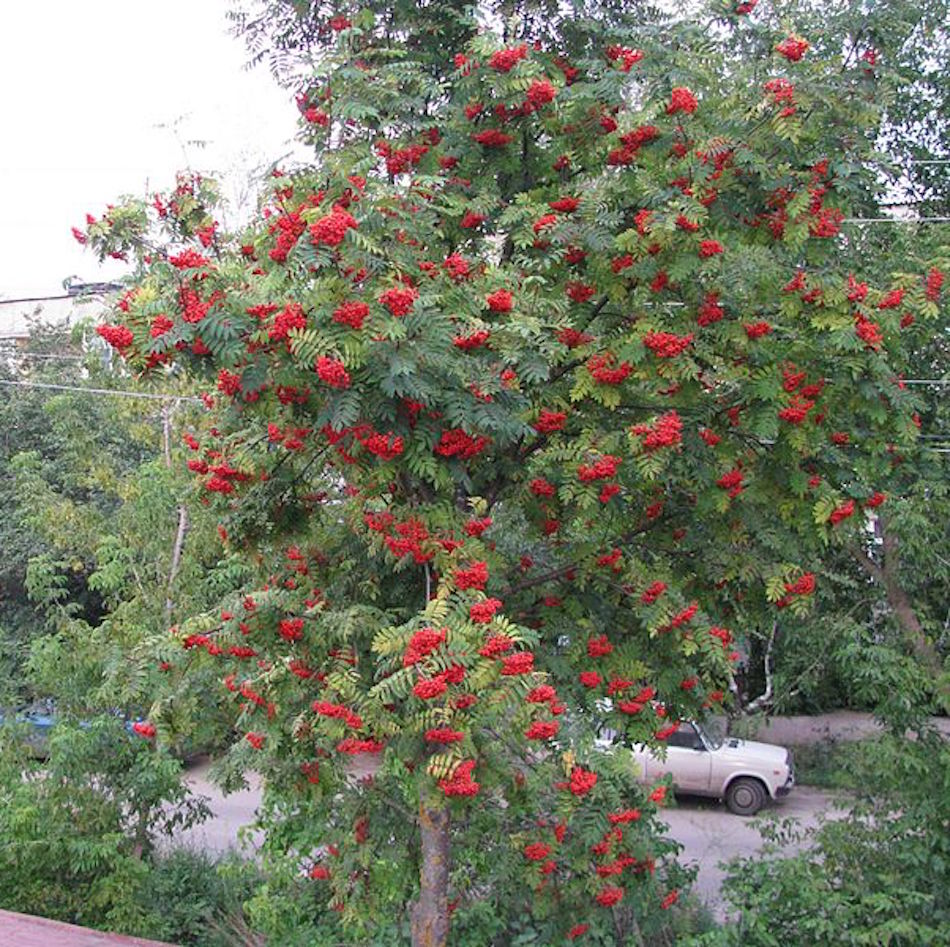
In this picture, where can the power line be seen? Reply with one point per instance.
(118, 392)
(35, 299)
(83, 292)
(46, 355)
(121, 393)
(896, 220)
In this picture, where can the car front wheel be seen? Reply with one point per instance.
(745, 796)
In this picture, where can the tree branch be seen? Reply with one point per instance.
(182, 515)
(867, 563)
(765, 698)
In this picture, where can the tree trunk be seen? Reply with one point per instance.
(887, 574)
(429, 914)
(915, 636)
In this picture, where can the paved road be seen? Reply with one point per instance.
(709, 833)
(230, 813)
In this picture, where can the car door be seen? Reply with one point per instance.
(688, 760)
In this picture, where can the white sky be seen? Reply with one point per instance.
(84, 85)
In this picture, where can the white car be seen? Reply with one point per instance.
(745, 773)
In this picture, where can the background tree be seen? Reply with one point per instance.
(29, 422)
(94, 483)
(102, 554)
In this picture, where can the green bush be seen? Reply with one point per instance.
(831, 764)
(77, 831)
(193, 899)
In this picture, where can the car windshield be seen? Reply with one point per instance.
(712, 731)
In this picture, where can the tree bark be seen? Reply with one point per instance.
(429, 914)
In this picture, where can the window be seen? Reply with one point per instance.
(686, 738)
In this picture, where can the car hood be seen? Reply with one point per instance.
(750, 751)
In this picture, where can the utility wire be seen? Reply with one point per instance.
(64, 358)
(896, 220)
(118, 392)
(82, 358)
(40, 299)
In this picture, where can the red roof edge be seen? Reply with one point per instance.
(25, 930)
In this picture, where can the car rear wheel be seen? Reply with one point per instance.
(745, 796)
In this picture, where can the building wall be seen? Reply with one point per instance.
(16, 314)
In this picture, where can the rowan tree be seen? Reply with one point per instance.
(537, 379)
